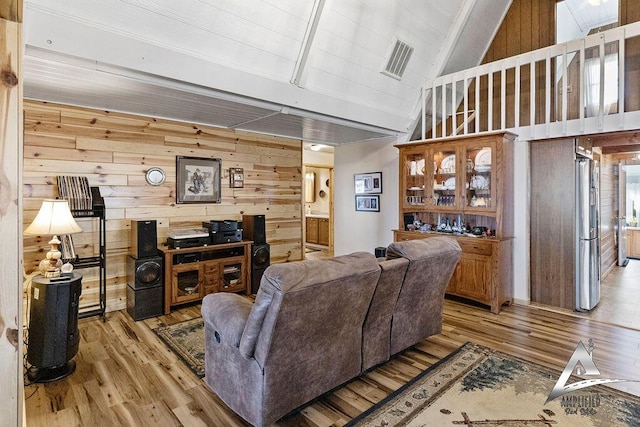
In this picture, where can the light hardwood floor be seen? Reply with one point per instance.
(126, 376)
(619, 298)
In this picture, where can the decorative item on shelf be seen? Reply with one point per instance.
(469, 165)
(483, 160)
(54, 218)
(448, 164)
(236, 178)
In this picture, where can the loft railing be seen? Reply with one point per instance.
(585, 86)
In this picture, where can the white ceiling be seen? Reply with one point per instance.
(307, 69)
(590, 14)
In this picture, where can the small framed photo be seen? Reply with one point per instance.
(368, 183)
(236, 178)
(367, 203)
(197, 180)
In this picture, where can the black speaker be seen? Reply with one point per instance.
(144, 303)
(53, 327)
(145, 290)
(144, 272)
(408, 219)
(260, 260)
(144, 238)
(254, 228)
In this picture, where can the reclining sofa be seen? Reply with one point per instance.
(317, 324)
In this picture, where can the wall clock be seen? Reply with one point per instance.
(155, 176)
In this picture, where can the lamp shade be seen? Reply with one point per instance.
(54, 217)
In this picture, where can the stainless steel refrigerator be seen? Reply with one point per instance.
(587, 275)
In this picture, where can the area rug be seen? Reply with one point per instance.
(476, 386)
(186, 339)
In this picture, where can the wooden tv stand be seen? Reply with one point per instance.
(192, 273)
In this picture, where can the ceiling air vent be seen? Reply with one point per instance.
(398, 59)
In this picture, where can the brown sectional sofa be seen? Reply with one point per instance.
(317, 324)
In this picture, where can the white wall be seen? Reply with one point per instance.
(364, 231)
(317, 158)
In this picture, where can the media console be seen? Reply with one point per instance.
(192, 273)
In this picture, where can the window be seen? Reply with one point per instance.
(592, 84)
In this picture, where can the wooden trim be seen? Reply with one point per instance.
(11, 140)
(11, 10)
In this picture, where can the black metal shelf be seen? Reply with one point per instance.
(100, 260)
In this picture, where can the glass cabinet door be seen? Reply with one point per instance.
(444, 179)
(231, 274)
(186, 282)
(414, 172)
(479, 176)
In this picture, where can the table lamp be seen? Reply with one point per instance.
(54, 218)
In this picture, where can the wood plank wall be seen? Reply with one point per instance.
(552, 226)
(527, 26)
(608, 211)
(114, 150)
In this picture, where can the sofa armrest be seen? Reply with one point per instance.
(228, 314)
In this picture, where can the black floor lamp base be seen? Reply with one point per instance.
(45, 375)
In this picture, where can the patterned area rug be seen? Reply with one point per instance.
(186, 339)
(476, 386)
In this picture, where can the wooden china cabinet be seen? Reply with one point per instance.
(449, 185)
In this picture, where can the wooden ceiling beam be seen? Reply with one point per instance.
(617, 149)
(617, 139)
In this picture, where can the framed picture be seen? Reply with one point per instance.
(368, 183)
(197, 180)
(367, 203)
(236, 178)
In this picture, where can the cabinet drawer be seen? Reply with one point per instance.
(211, 268)
(480, 248)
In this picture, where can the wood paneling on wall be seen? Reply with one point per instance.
(552, 226)
(608, 211)
(527, 26)
(114, 150)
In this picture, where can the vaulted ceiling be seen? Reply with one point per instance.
(308, 69)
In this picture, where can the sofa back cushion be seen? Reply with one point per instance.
(418, 312)
(377, 326)
(305, 329)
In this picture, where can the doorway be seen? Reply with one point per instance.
(620, 289)
(317, 207)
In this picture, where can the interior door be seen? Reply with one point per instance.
(621, 220)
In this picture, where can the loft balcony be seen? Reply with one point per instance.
(582, 87)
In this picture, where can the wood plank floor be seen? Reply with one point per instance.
(126, 376)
